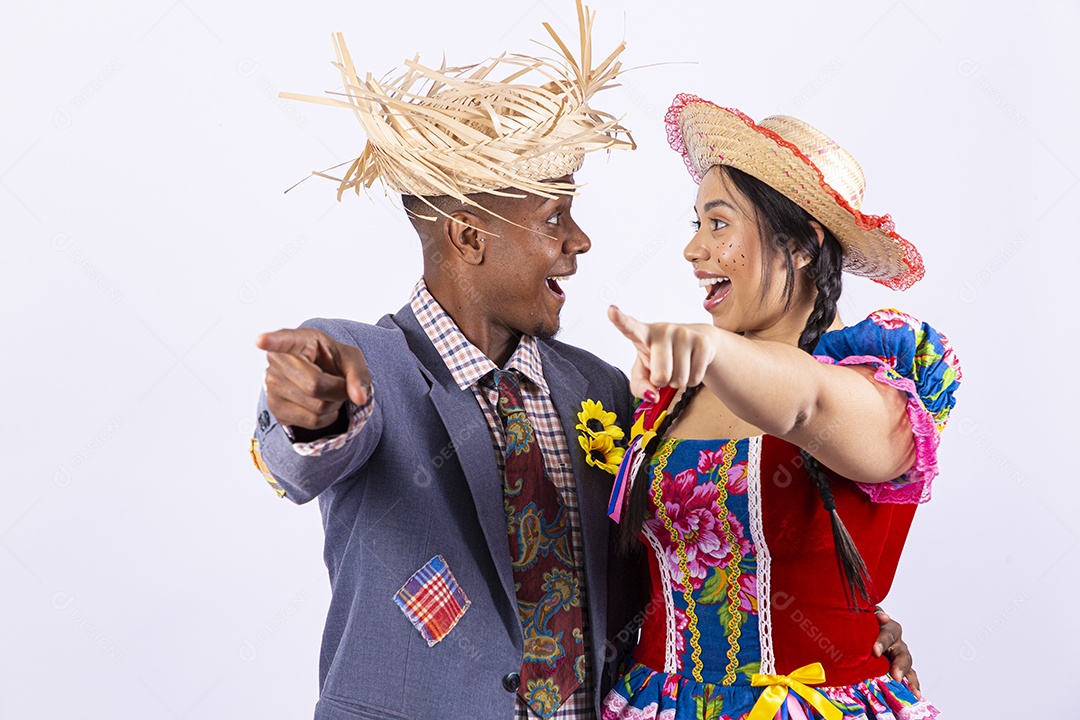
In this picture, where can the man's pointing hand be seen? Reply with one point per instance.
(311, 375)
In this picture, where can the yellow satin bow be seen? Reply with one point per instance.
(779, 685)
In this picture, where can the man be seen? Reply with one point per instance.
(467, 581)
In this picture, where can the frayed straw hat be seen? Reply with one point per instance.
(459, 130)
(805, 166)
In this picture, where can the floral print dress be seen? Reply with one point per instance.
(744, 576)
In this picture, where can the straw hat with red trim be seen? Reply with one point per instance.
(805, 166)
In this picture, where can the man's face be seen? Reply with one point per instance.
(526, 261)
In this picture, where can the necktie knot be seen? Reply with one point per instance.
(507, 382)
(508, 376)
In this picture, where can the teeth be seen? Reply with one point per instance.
(708, 282)
(559, 278)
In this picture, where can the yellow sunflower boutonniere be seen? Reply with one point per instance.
(597, 436)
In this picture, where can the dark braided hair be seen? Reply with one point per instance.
(826, 271)
(784, 228)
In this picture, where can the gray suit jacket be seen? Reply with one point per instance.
(421, 480)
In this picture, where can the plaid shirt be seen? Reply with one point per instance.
(472, 369)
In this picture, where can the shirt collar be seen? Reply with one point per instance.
(466, 363)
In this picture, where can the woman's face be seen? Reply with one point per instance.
(732, 266)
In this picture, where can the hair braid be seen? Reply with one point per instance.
(637, 510)
(826, 269)
(857, 582)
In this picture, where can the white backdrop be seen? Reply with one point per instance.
(149, 572)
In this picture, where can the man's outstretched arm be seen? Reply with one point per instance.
(317, 420)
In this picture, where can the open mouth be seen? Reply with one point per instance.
(718, 289)
(553, 285)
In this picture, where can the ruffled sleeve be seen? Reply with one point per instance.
(913, 357)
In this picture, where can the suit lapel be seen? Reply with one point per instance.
(468, 431)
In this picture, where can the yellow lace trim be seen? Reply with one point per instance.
(662, 456)
(733, 572)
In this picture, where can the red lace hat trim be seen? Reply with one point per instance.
(882, 223)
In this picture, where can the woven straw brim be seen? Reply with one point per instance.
(708, 135)
(400, 177)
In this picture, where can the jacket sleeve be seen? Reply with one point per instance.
(302, 471)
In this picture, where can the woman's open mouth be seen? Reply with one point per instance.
(718, 289)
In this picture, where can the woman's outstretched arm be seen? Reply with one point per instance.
(841, 415)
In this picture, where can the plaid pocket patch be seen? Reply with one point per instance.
(432, 600)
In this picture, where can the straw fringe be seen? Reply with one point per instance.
(455, 131)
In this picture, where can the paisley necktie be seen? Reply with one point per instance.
(546, 585)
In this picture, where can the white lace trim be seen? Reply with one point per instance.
(671, 654)
(764, 562)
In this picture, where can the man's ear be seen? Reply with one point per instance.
(465, 231)
(798, 255)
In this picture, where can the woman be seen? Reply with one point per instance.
(759, 588)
